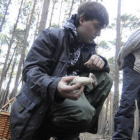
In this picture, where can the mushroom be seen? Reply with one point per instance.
(85, 80)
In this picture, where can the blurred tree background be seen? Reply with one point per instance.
(22, 20)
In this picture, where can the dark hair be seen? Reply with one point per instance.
(93, 10)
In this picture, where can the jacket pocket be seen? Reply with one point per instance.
(60, 69)
(21, 113)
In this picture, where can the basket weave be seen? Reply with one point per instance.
(5, 132)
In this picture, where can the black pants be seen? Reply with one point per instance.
(124, 118)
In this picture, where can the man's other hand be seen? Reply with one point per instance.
(95, 63)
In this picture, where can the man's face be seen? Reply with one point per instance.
(89, 30)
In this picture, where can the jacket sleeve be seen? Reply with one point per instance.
(38, 66)
(106, 67)
(132, 44)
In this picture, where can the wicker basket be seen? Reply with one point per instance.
(5, 132)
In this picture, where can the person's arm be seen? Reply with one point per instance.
(132, 44)
(38, 68)
(38, 65)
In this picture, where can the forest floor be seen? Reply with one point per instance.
(88, 136)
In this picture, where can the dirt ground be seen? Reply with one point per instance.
(88, 136)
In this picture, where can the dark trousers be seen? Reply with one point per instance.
(69, 118)
(124, 118)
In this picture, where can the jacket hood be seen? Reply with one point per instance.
(69, 24)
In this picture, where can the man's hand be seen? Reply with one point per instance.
(95, 63)
(67, 91)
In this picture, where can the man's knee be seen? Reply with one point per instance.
(74, 115)
(83, 116)
(86, 115)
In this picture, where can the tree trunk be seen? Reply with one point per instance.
(10, 61)
(105, 123)
(4, 98)
(111, 115)
(81, 2)
(9, 82)
(71, 8)
(9, 48)
(3, 20)
(101, 121)
(64, 16)
(44, 15)
(60, 13)
(118, 45)
(23, 51)
(36, 30)
(52, 13)
(107, 102)
(136, 122)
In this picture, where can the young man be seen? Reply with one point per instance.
(47, 106)
(129, 61)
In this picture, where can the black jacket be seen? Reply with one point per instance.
(44, 66)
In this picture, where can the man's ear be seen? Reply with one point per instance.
(81, 20)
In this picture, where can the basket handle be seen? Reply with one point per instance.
(9, 102)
